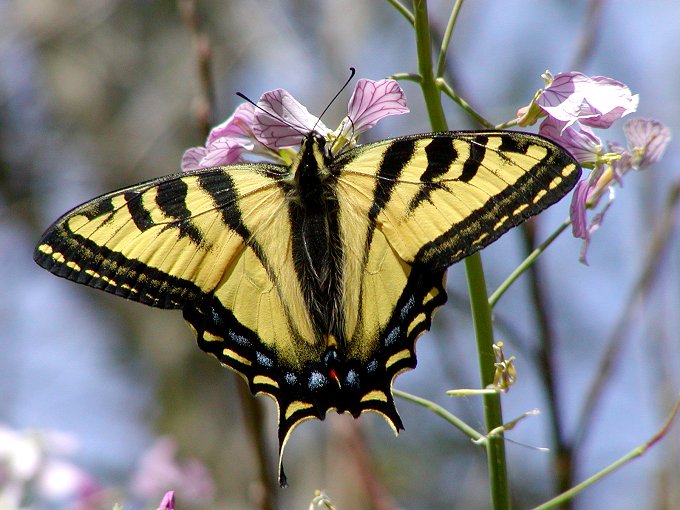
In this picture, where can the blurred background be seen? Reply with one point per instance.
(98, 94)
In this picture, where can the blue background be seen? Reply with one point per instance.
(97, 95)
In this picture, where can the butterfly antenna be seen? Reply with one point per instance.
(352, 72)
(271, 114)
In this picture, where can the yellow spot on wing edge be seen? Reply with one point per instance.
(539, 196)
(403, 354)
(519, 209)
(73, 265)
(480, 238)
(430, 295)
(109, 280)
(500, 222)
(296, 406)
(209, 337)
(236, 357)
(374, 395)
(46, 249)
(263, 379)
(415, 322)
(556, 182)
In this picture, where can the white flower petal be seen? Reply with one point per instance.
(650, 137)
(372, 101)
(281, 121)
(191, 159)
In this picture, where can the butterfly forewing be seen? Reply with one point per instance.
(447, 195)
(164, 242)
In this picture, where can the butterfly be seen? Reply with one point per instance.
(312, 280)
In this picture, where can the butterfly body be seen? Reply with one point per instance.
(313, 281)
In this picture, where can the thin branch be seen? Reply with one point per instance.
(448, 90)
(403, 10)
(633, 454)
(441, 412)
(446, 39)
(378, 494)
(650, 272)
(547, 365)
(252, 408)
(526, 263)
(206, 107)
(407, 77)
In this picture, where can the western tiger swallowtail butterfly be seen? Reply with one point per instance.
(314, 280)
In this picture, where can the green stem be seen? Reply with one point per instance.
(526, 263)
(493, 416)
(441, 62)
(427, 80)
(506, 125)
(448, 90)
(442, 412)
(633, 454)
(481, 311)
(406, 76)
(401, 9)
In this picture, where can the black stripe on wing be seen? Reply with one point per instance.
(542, 185)
(78, 259)
(171, 199)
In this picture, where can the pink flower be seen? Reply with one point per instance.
(279, 122)
(578, 140)
(168, 501)
(225, 143)
(371, 102)
(572, 103)
(595, 101)
(61, 480)
(581, 201)
(647, 141)
(33, 467)
(159, 469)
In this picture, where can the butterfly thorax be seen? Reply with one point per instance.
(316, 245)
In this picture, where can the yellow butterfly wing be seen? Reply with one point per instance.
(413, 206)
(183, 240)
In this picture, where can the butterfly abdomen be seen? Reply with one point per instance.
(315, 241)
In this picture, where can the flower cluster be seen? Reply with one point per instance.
(34, 466)
(36, 472)
(277, 124)
(571, 105)
(159, 468)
